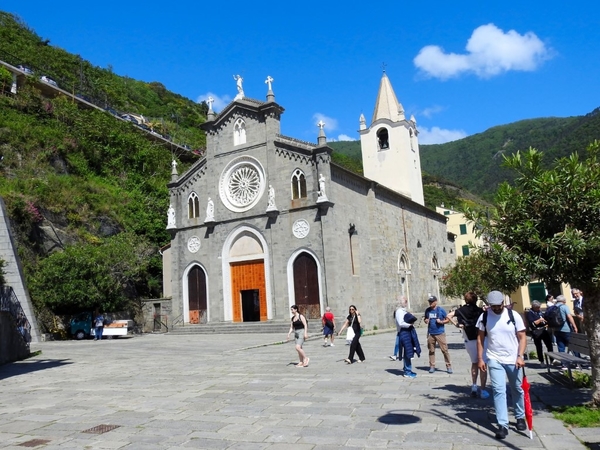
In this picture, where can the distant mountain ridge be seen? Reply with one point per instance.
(474, 163)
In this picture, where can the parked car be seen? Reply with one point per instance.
(82, 327)
(47, 79)
(25, 69)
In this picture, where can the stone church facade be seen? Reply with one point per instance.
(264, 221)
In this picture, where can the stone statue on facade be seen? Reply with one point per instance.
(210, 211)
(271, 205)
(322, 194)
(238, 82)
(171, 217)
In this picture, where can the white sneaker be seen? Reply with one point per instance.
(331, 345)
(393, 357)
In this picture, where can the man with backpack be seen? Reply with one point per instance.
(504, 331)
(559, 318)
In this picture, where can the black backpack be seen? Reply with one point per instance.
(511, 318)
(470, 327)
(554, 318)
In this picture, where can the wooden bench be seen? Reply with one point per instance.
(578, 343)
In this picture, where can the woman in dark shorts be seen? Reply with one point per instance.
(300, 328)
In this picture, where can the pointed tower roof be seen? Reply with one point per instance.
(387, 105)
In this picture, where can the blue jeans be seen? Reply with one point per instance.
(397, 346)
(498, 374)
(98, 332)
(407, 365)
(562, 340)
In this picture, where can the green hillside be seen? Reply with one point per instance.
(86, 192)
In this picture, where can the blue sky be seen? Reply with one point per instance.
(459, 67)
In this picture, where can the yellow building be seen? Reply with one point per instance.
(458, 225)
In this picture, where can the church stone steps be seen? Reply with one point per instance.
(278, 327)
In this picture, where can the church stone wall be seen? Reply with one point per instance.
(380, 231)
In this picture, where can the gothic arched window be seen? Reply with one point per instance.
(239, 132)
(193, 205)
(298, 184)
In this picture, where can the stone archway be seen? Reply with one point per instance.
(246, 290)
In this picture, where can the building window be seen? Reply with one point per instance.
(193, 206)
(298, 185)
(383, 139)
(446, 213)
(239, 132)
(463, 228)
(465, 250)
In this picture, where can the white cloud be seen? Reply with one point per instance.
(219, 102)
(489, 51)
(430, 111)
(437, 135)
(345, 137)
(330, 123)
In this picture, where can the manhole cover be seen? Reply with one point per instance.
(100, 429)
(34, 443)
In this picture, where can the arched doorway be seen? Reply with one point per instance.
(306, 285)
(245, 262)
(197, 295)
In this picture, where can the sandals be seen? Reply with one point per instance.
(306, 363)
(300, 364)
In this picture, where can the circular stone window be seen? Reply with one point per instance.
(242, 184)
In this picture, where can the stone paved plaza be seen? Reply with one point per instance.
(244, 392)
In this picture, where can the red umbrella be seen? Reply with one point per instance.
(527, 400)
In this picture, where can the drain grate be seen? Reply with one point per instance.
(101, 429)
(34, 443)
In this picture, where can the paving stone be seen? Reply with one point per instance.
(179, 392)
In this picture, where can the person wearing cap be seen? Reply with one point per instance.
(506, 344)
(435, 318)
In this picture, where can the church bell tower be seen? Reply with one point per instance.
(390, 146)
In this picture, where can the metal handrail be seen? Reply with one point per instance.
(10, 303)
(178, 319)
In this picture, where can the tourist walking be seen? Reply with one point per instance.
(563, 333)
(394, 356)
(299, 327)
(353, 322)
(504, 331)
(467, 316)
(407, 337)
(328, 321)
(539, 330)
(435, 318)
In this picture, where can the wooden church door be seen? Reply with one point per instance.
(306, 286)
(197, 295)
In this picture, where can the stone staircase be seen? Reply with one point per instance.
(272, 326)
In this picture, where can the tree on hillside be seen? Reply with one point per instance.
(546, 226)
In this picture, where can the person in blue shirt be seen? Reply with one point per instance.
(435, 318)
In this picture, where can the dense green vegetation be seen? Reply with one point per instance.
(86, 192)
(169, 114)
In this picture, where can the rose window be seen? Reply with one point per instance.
(242, 184)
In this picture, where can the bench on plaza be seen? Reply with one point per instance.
(578, 343)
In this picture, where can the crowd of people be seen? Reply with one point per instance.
(494, 336)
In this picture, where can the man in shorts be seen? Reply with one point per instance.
(328, 321)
